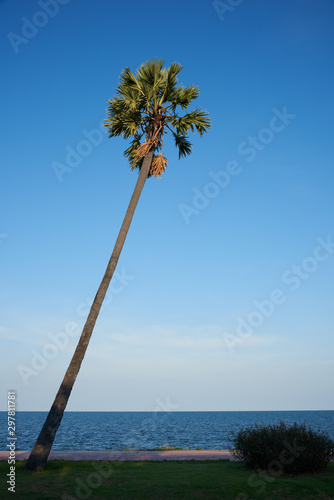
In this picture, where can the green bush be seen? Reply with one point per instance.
(282, 449)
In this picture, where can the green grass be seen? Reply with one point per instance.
(210, 479)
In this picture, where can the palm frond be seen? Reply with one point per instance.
(195, 120)
(144, 149)
(200, 120)
(158, 166)
(130, 153)
(183, 145)
(170, 82)
(151, 78)
(123, 124)
(130, 100)
(123, 117)
(182, 96)
(150, 72)
(127, 80)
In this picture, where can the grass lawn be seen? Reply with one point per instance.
(210, 479)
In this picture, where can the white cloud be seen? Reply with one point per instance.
(206, 338)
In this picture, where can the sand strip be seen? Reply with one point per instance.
(129, 455)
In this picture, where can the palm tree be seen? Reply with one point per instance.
(144, 109)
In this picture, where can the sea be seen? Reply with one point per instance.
(148, 430)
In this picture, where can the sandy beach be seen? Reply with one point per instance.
(129, 455)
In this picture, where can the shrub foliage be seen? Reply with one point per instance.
(283, 449)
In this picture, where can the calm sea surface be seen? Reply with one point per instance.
(118, 430)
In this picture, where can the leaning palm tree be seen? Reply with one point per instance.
(144, 109)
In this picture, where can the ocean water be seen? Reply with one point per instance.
(146, 430)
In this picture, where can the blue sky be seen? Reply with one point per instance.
(223, 297)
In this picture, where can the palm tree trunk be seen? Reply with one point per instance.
(43, 445)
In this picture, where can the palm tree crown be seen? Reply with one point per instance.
(146, 106)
